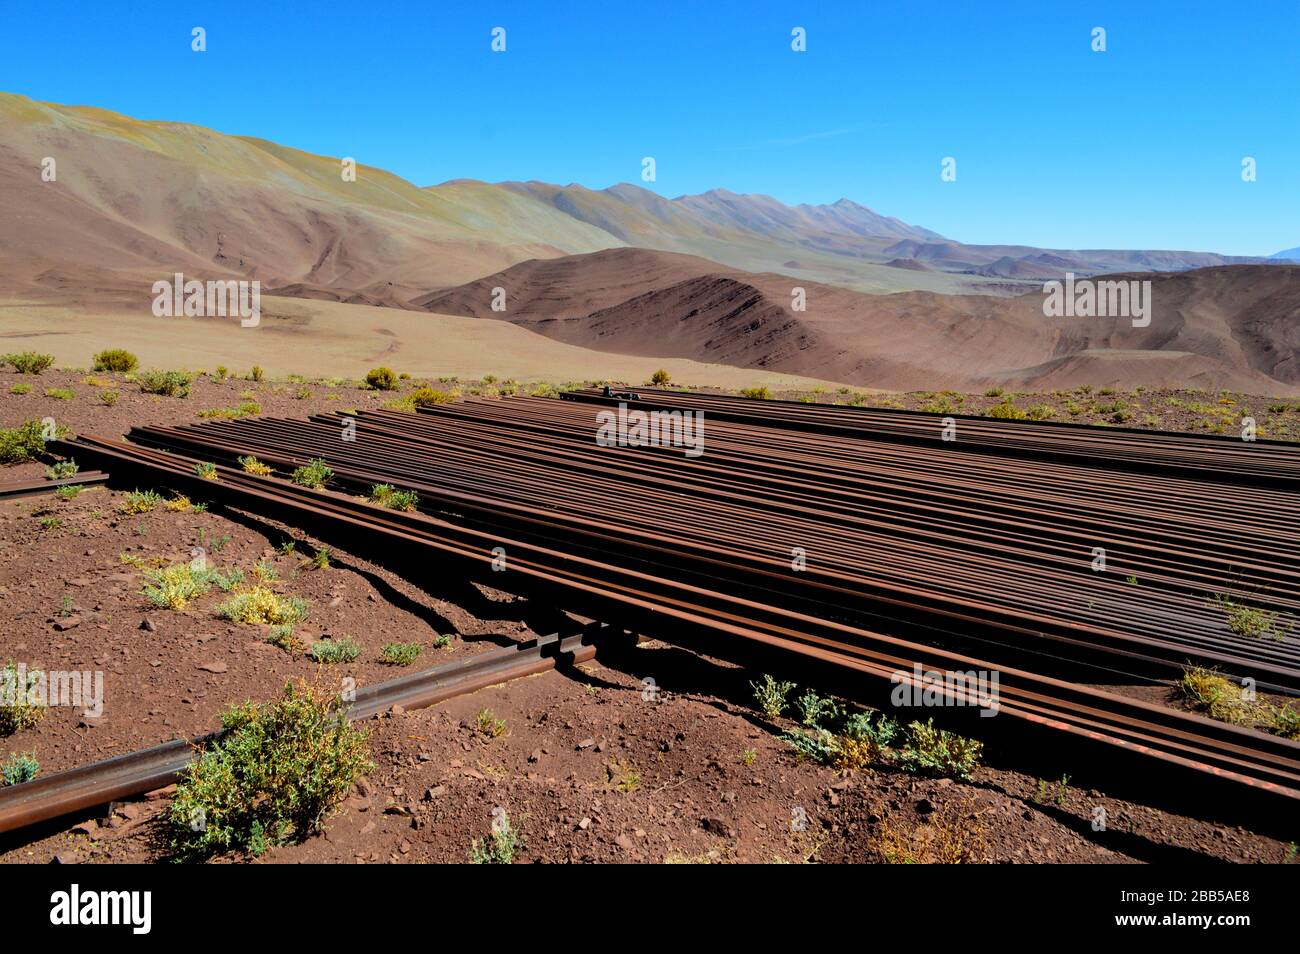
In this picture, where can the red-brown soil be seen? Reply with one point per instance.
(589, 768)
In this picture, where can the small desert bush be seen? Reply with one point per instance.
(252, 465)
(19, 708)
(262, 605)
(272, 779)
(20, 767)
(22, 443)
(771, 695)
(938, 752)
(757, 394)
(488, 724)
(115, 359)
(29, 362)
(20, 389)
(173, 587)
(284, 638)
(499, 847)
(428, 397)
(207, 470)
(1006, 410)
(108, 398)
(62, 470)
(60, 394)
(315, 474)
(952, 835)
(386, 495)
(400, 654)
(169, 383)
(334, 651)
(381, 379)
(1250, 621)
(660, 378)
(320, 560)
(141, 501)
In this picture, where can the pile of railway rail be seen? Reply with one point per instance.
(857, 546)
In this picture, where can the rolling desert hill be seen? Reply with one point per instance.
(616, 271)
(1227, 327)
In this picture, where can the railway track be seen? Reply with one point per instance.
(566, 547)
(80, 789)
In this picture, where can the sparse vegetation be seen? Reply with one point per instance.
(499, 847)
(20, 389)
(938, 752)
(168, 383)
(660, 378)
(207, 470)
(386, 495)
(272, 779)
(320, 560)
(1251, 621)
(952, 835)
(757, 394)
(400, 654)
(22, 443)
(29, 362)
(771, 695)
(108, 398)
(60, 394)
(141, 501)
(335, 651)
(488, 724)
(382, 379)
(115, 359)
(315, 474)
(428, 397)
(252, 465)
(173, 587)
(19, 768)
(263, 605)
(20, 707)
(62, 470)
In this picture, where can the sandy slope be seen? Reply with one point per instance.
(330, 339)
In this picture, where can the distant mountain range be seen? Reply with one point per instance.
(132, 196)
(710, 277)
(1290, 255)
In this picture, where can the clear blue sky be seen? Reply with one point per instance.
(1140, 146)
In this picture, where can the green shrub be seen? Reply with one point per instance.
(21, 767)
(109, 398)
(400, 654)
(19, 709)
(169, 383)
(938, 752)
(386, 495)
(20, 389)
(60, 394)
(499, 847)
(62, 470)
(757, 394)
(22, 443)
(29, 362)
(334, 650)
(115, 359)
(771, 695)
(381, 379)
(273, 779)
(321, 558)
(1006, 410)
(659, 378)
(256, 373)
(141, 501)
(252, 465)
(316, 474)
(428, 397)
(173, 587)
(262, 605)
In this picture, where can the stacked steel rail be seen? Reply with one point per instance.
(975, 553)
(1226, 458)
(699, 549)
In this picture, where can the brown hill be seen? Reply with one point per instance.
(1232, 326)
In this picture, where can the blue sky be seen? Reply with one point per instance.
(1140, 146)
